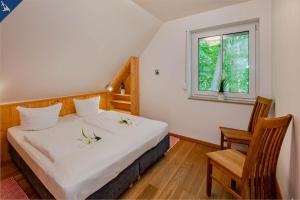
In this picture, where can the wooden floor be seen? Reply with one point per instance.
(181, 174)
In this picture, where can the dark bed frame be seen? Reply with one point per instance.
(113, 189)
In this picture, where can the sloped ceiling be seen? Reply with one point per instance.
(64, 47)
(172, 9)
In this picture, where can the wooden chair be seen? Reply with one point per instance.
(261, 109)
(255, 173)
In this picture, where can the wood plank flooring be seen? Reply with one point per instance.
(181, 174)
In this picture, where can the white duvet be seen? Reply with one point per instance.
(80, 169)
(64, 139)
(139, 128)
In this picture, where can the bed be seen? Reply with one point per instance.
(103, 171)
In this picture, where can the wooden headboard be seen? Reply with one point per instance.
(9, 116)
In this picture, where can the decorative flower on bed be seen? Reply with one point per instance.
(89, 139)
(126, 122)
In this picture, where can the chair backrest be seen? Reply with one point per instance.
(261, 109)
(260, 165)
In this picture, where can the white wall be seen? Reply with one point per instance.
(286, 54)
(54, 47)
(163, 97)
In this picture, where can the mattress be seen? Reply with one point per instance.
(80, 186)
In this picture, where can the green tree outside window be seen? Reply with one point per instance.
(233, 49)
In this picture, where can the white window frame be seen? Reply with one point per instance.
(192, 63)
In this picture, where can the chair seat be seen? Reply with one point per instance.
(229, 159)
(236, 134)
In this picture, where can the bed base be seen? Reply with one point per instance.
(113, 189)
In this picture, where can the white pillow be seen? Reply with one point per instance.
(33, 119)
(85, 107)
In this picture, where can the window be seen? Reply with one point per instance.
(223, 54)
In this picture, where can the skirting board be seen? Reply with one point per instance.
(278, 191)
(215, 146)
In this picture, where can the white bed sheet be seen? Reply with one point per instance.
(79, 186)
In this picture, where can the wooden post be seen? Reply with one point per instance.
(208, 178)
(134, 79)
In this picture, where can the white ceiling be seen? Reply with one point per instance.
(172, 9)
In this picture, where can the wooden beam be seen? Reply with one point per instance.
(121, 76)
(134, 78)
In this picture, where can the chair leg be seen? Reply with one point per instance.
(228, 145)
(222, 141)
(208, 178)
(233, 184)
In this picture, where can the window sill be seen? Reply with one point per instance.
(226, 100)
